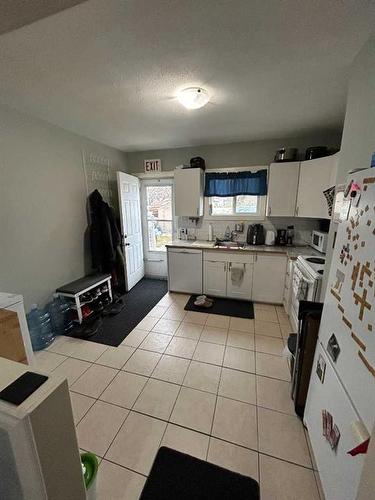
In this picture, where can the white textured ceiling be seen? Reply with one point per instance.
(110, 69)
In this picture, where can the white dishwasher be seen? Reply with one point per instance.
(185, 270)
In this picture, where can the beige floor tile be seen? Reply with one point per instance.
(63, 345)
(274, 394)
(166, 326)
(124, 389)
(203, 376)
(218, 321)
(147, 323)
(283, 317)
(209, 353)
(72, 369)
(181, 347)
(179, 298)
(135, 338)
(281, 480)
(239, 359)
(270, 345)
(171, 369)
(189, 331)
(187, 441)
(175, 312)
(157, 399)
(157, 311)
(137, 442)
(260, 306)
(99, 426)
(167, 300)
(94, 380)
(243, 340)
(214, 335)
(142, 362)
(235, 422)
(88, 351)
(273, 366)
(155, 342)
(282, 436)
(238, 385)
(199, 318)
(80, 405)
(115, 357)
(266, 315)
(286, 330)
(194, 409)
(46, 361)
(233, 457)
(267, 328)
(117, 483)
(242, 324)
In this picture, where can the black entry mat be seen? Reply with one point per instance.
(137, 303)
(225, 307)
(177, 476)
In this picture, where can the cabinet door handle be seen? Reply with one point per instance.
(269, 210)
(229, 266)
(297, 210)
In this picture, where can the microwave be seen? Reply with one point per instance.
(319, 241)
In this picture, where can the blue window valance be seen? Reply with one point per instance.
(236, 183)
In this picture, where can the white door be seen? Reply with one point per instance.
(131, 228)
(240, 289)
(282, 189)
(215, 278)
(269, 278)
(315, 177)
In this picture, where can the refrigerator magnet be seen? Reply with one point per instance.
(321, 368)
(333, 347)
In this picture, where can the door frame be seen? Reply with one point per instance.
(155, 258)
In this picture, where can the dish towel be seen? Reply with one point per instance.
(236, 274)
(302, 290)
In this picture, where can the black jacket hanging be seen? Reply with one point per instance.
(104, 235)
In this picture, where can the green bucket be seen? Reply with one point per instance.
(90, 471)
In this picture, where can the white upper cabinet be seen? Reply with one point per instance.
(282, 189)
(188, 189)
(315, 177)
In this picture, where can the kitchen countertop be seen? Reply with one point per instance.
(292, 252)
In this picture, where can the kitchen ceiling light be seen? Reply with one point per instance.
(193, 97)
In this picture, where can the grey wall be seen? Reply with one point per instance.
(42, 204)
(241, 154)
(358, 139)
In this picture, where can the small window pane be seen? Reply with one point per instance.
(221, 205)
(159, 202)
(246, 204)
(159, 233)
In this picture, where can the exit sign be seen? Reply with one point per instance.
(152, 166)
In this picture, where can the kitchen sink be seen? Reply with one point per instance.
(229, 244)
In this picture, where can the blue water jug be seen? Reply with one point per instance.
(40, 328)
(61, 317)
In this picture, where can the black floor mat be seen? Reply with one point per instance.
(225, 307)
(177, 476)
(137, 303)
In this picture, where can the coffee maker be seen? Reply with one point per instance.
(281, 237)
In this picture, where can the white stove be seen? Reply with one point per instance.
(306, 284)
(312, 265)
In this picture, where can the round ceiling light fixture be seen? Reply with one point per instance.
(193, 97)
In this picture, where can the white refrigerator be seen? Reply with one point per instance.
(340, 409)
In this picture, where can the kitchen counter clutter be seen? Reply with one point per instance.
(249, 273)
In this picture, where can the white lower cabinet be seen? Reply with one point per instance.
(219, 275)
(269, 278)
(240, 289)
(215, 278)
